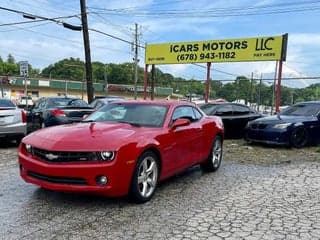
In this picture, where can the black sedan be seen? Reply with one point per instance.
(50, 111)
(100, 102)
(296, 126)
(235, 116)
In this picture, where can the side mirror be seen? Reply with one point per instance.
(180, 122)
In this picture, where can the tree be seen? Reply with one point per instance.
(10, 59)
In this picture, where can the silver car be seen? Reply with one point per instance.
(13, 121)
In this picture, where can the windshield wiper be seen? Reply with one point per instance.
(131, 123)
(88, 121)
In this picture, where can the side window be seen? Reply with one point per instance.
(42, 104)
(240, 110)
(38, 104)
(183, 112)
(197, 114)
(224, 110)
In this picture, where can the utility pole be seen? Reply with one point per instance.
(1, 87)
(86, 42)
(105, 80)
(135, 60)
(259, 93)
(251, 89)
(274, 87)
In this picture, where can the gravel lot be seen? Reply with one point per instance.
(258, 193)
(241, 152)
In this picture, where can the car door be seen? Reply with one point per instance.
(225, 111)
(185, 140)
(241, 116)
(34, 117)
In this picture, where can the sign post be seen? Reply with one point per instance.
(24, 72)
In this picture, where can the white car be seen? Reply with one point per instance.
(13, 121)
(24, 100)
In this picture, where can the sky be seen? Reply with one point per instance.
(43, 43)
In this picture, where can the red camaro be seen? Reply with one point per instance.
(123, 148)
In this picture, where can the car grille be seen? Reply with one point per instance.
(258, 126)
(64, 157)
(61, 180)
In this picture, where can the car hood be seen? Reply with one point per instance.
(85, 136)
(276, 119)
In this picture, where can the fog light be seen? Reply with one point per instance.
(102, 180)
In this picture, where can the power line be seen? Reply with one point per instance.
(115, 37)
(55, 20)
(220, 12)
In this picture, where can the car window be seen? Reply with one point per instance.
(63, 102)
(208, 108)
(223, 110)
(38, 104)
(302, 110)
(135, 114)
(6, 103)
(240, 110)
(197, 114)
(184, 112)
(77, 103)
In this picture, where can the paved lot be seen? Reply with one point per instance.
(258, 193)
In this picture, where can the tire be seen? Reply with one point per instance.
(213, 161)
(145, 177)
(18, 140)
(299, 137)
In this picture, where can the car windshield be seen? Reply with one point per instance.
(302, 110)
(208, 108)
(132, 113)
(64, 102)
(6, 103)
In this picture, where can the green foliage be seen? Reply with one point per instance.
(10, 59)
(72, 68)
(123, 73)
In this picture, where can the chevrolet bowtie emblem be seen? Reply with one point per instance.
(51, 156)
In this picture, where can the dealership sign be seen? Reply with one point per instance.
(228, 50)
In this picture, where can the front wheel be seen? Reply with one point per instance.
(213, 161)
(299, 137)
(145, 177)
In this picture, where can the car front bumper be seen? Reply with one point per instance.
(272, 137)
(13, 131)
(76, 177)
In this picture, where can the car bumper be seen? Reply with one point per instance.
(13, 130)
(76, 177)
(280, 137)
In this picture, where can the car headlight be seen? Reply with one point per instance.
(28, 148)
(107, 155)
(281, 125)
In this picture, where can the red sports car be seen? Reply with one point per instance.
(124, 148)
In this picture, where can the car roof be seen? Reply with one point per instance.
(308, 102)
(223, 103)
(159, 102)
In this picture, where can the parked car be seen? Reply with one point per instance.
(123, 148)
(50, 111)
(295, 126)
(99, 102)
(13, 121)
(235, 116)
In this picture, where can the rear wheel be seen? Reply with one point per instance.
(299, 137)
(214, 159)
(145, 178)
